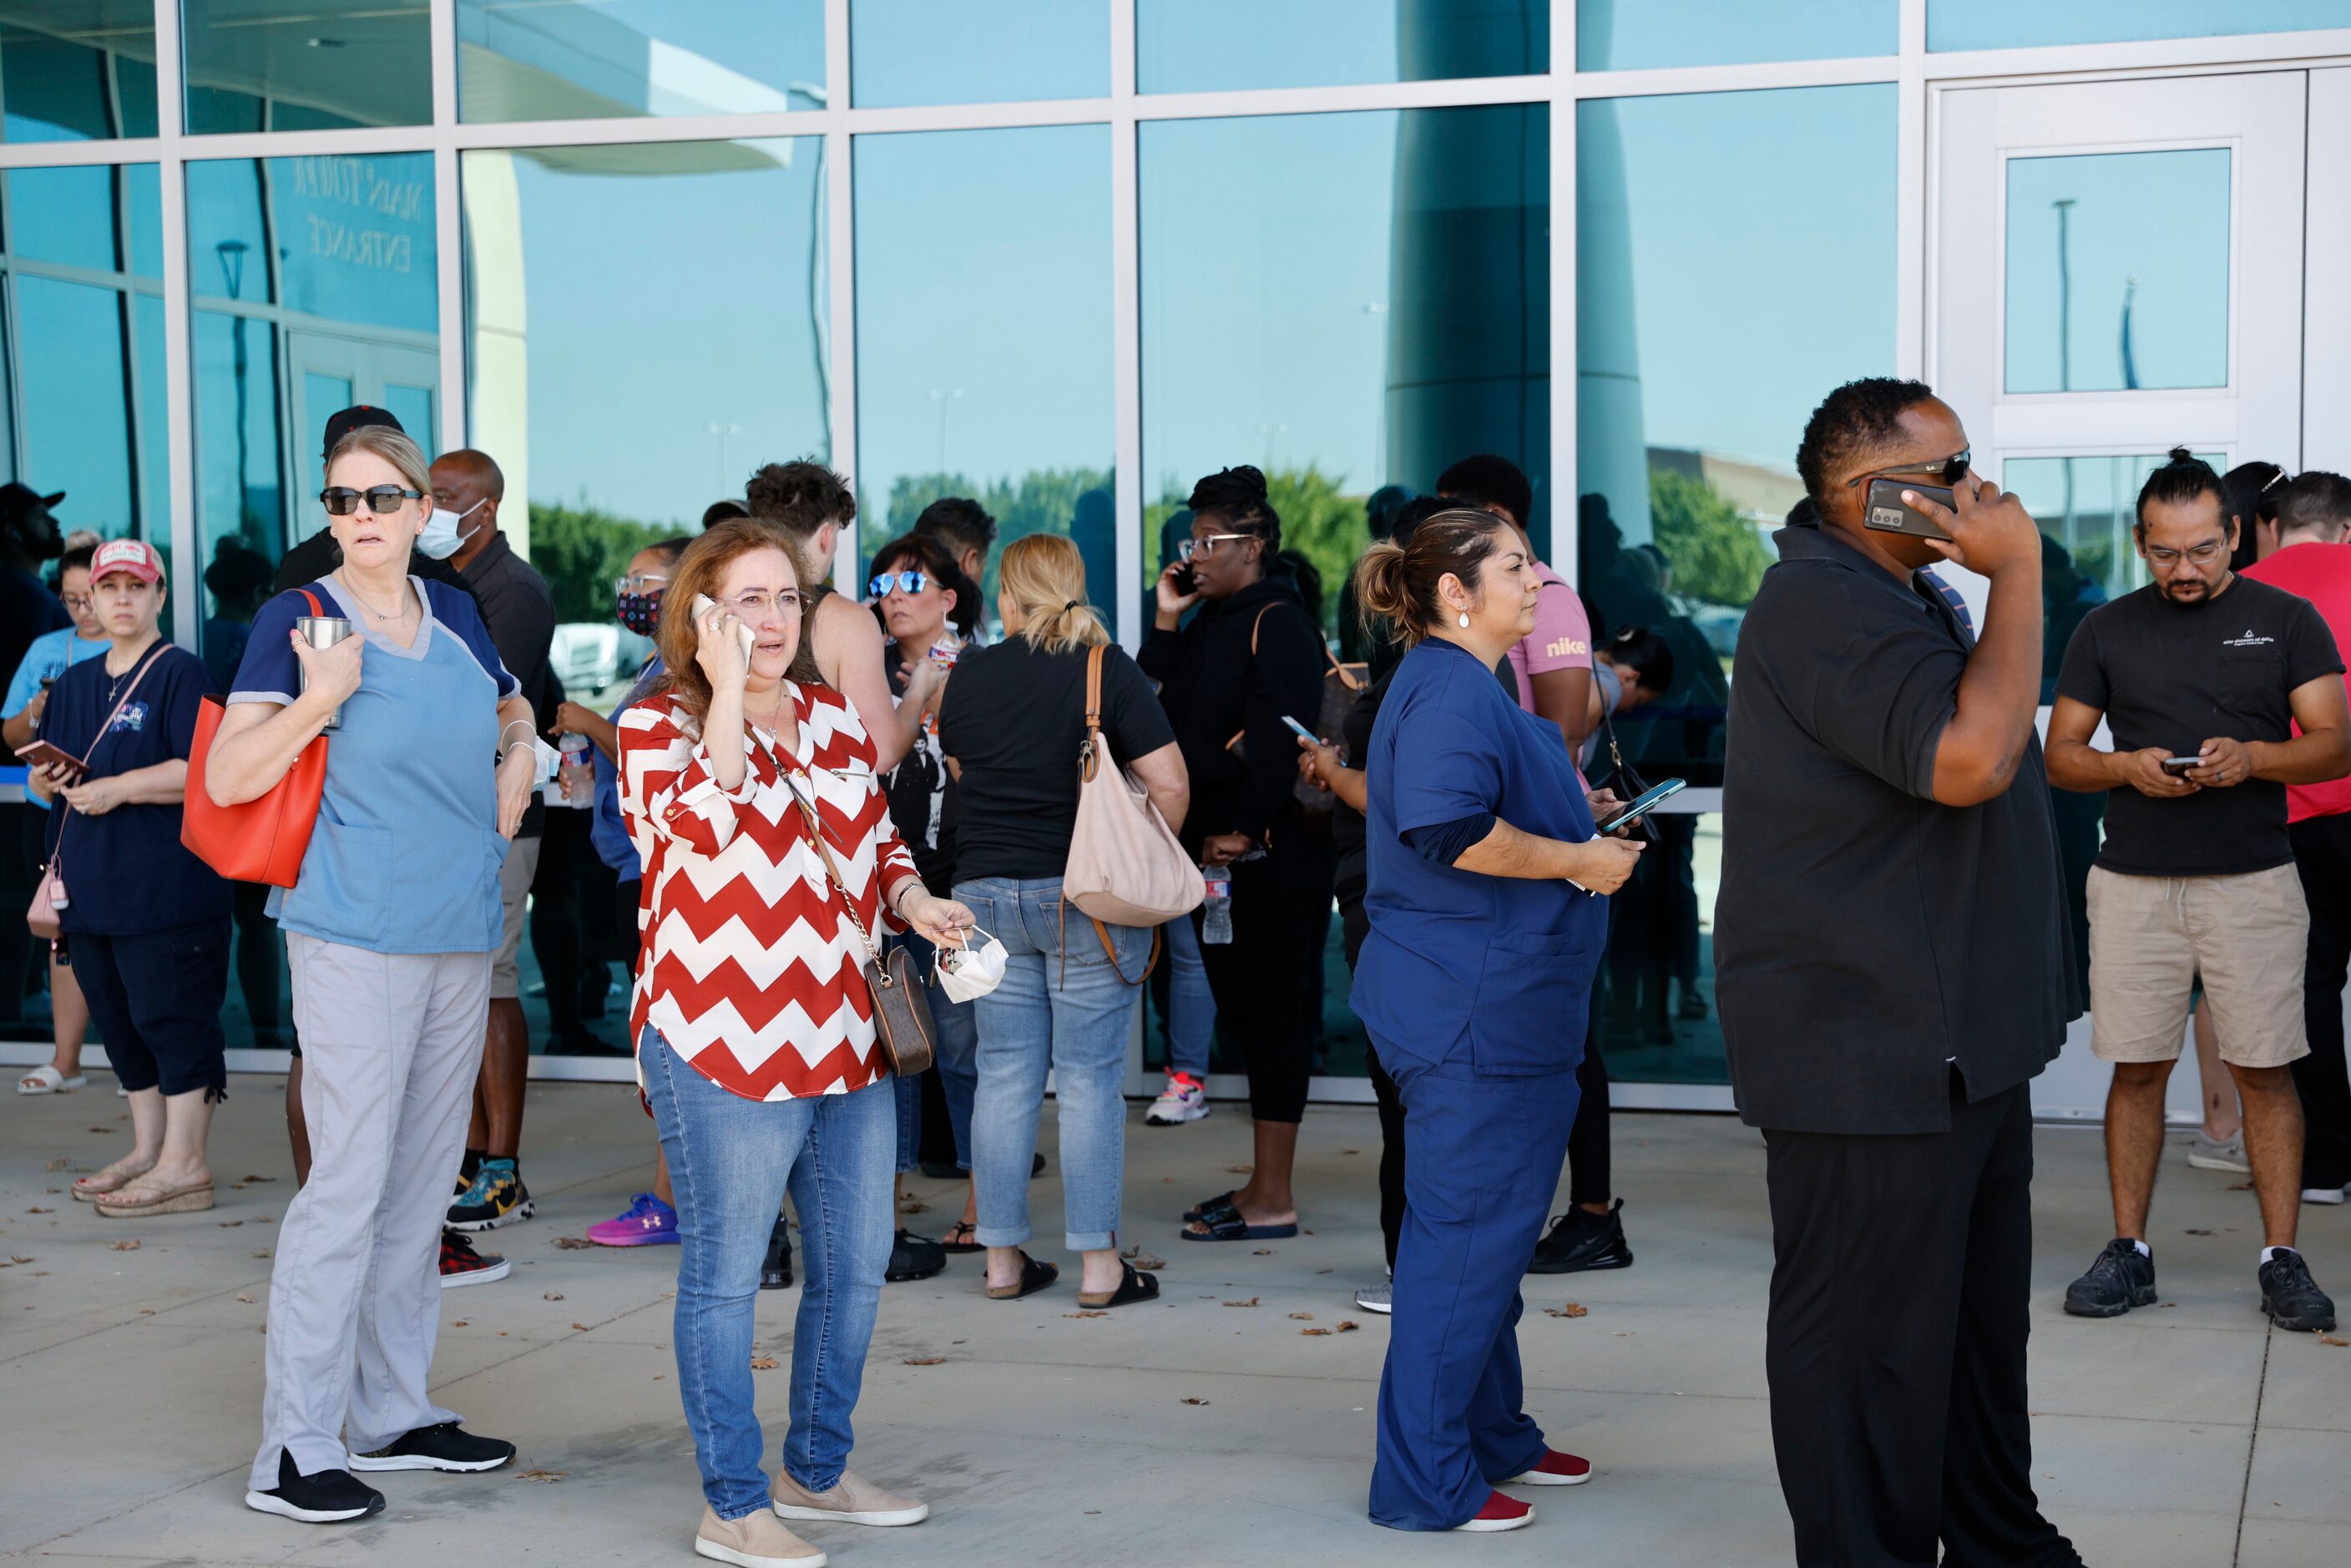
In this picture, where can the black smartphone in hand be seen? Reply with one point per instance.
(1886, 512)
(1185, 583)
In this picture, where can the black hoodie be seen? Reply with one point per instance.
(1214, 688)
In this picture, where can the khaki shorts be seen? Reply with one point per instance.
(514, 892)
(2152, 936)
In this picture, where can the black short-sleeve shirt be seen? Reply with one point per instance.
(1867, 938)
(126, 872)
(2176, 675)
(1013, 719)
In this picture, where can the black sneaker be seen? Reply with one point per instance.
(1580, 1239)
(329, 1496)
(498, 1196)
(2120, 1278)
(913, 1257)
(2291, 1298)
(447, 1447)
(461, 1265)
(776, 1269)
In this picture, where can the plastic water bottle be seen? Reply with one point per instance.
(1216, 923)
(578, 780)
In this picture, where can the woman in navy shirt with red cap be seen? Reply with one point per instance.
(1474, 985)
(148, 922)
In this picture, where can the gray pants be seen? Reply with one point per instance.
(392, 1043)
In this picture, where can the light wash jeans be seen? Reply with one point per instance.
(731, 1160)
(1191, 1006)
(958, 1041)
(1068, 1012)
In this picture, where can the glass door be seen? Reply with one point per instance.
(2115, 268)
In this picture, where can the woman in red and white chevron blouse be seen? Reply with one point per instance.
(755, 1034)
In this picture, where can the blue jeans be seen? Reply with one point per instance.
(1191, 1006)
(731, 1160)
(1069, 1012)
(958, 1041)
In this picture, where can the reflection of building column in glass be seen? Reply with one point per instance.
(497, 399)
(1610, 445)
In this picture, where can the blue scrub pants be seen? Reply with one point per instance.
(1479, 1182)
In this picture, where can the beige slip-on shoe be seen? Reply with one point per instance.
(852, 1500)
(754, 1540)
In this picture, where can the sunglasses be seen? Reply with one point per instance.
(1945, 472)
(341, 501)
(913, 581)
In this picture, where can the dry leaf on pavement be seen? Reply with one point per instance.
(2330, 1339)
(246, 1298)
(552, 1296)
(574, 1243)
(1570, 1311)
(1088, 1313)
(1195, 1402)
(542, 1475)
(1250, 1302)
(926, 1361)
(1303, 1317)
(1348, 1325)
(129, 1246)
(763, 1363)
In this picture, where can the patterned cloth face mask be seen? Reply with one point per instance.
(639, 612)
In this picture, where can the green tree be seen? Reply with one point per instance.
(1716, 554)
(581, 550)
(1043, 500)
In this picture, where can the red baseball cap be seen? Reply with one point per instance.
(136, 557)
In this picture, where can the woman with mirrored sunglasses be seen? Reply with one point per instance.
(390, 926)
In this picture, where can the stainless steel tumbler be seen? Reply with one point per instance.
(322, 632)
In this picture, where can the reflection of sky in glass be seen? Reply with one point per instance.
(2146, 229)
(1736, 265)
(710, 245)
(2087, 504)
(77, 428)
(355, 237)
(57, 90)
(2014, 24)
(221, 508)
(67, 215)
(1634, 34)
(319, 62)
(983, 307)
(951, 51)
(564, 59)
(1265, 296)
(1199, 46)
(225, 209)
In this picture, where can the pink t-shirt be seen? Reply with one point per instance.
(1561, 639)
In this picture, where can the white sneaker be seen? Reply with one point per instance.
(1186, 1099)
(1380, 1299)
(2322, 1194)
(2209, 1153)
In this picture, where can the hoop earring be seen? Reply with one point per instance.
(1464, 620)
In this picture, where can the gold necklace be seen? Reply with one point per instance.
(360, 599)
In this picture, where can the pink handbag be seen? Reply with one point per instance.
(50, 894)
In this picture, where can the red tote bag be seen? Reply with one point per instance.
(262, 840)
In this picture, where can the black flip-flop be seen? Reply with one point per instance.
(970, 1243)
(1034, 1277)
(1225, 1223)
(1222, 1200)
(1137, 1286)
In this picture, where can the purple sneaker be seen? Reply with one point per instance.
(649, 1222)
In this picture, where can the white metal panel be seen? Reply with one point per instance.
(2327, 320)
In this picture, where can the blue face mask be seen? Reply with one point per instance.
(442, 537)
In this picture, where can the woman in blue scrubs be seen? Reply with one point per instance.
(1473, 984)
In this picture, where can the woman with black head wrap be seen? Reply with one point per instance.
(1251, 657)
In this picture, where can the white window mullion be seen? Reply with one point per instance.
(1120, 598)
(841, 274)
(449, 234)
(1565, 515)
(179, 330)
(1910, 186)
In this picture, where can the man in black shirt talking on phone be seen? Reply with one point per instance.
(2219, 692)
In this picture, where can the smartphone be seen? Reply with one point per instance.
(1887, 513)
(704, 605)
(1645, 804)
(45, 753)
(1300, 731)
(2177, 766)
(1185, 581)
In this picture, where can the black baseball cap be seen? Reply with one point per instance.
(16, 499)
(342, 423)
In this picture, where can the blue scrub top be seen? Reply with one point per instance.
(1492, 971)
(406, 852)
(607, 834)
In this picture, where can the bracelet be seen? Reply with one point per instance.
(504, 751)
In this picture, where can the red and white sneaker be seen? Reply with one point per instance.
(1554, 1469)
(1500, 1513)
(1186, 1099)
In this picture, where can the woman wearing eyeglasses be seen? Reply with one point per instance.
(756, 1043)
(389, 931)
(1250, 658)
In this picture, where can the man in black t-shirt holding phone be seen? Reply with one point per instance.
(2219, 692)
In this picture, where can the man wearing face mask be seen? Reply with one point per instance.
(467, 489)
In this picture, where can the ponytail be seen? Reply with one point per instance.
(1397, 583)
(1045, 578)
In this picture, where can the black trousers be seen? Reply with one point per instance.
(1587, 1141)
(1896, 1345)
(1259, 978)
(2322, 853)
(156, 1000)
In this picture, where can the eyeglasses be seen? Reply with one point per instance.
(913, 581)
(754, 606)
(1945, 472)
(75, 601)
(2201, 554)
(1202, 549)
(341, 501)
(641, 582)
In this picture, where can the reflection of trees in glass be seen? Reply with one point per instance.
(581, 549)
(1715, 552)
(1041, 501)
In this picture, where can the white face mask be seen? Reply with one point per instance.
(441, 537)
(971, 971)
